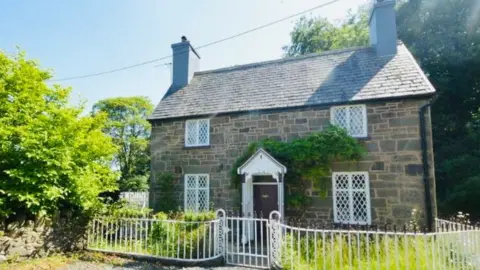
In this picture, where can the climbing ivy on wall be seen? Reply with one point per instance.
(308, 160)
(166, 183)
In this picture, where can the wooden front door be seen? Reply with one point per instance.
(265, 199)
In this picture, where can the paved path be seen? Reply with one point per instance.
(139, 266)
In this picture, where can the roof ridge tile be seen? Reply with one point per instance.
(281, 60)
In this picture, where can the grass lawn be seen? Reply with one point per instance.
(59, 261)
(53, 262)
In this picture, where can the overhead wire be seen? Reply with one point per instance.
(196, 48)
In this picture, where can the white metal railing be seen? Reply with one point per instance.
(264, 242)
(453, 246)
(442, 225)
(165, 239)
(136, 198)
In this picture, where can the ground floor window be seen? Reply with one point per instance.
(351, 197)
(196, 192)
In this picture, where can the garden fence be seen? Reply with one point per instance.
(164, 239)
(136, 198)
(452, 246)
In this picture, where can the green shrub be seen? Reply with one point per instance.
(188, 237)
(174, 234)
(201, 216)
(121, 209)
(166, 182)
(161, 216)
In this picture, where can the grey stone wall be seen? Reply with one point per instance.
(393, 160)
(28, 239)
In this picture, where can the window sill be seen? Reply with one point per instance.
(197, 147)
(345, 225)
(367, 138)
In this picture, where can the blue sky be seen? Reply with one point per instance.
(81, 37)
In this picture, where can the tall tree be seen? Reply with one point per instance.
(130, 130)
(444, 37)
(51, 157)
(313, 35)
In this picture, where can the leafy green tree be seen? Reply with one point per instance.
(135, 183)
(130, 131)
(51, 157)
(444, 36)
(313, 35)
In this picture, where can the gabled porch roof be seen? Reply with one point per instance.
(262, 163)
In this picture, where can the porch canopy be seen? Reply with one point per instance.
(260, 164)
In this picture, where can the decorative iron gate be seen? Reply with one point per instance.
(248, 241)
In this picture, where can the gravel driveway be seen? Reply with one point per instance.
(138, 266)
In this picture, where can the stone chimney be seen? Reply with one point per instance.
(383, 27)
(185, 63)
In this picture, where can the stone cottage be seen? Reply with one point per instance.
(378, 94)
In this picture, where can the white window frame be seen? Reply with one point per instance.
(197, 191)
(365, 122)
(350, 197)
(197, 122)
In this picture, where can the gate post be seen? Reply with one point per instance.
(275, 238)
(219, 233)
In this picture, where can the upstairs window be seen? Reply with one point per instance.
(353, 118)
(197, 132)
(351, 198)
(196, 192)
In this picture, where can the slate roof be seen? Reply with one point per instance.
(329, 78)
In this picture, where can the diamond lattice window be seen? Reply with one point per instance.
(352, 118)
(351, 198)
(196, 192)
(197, 132)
